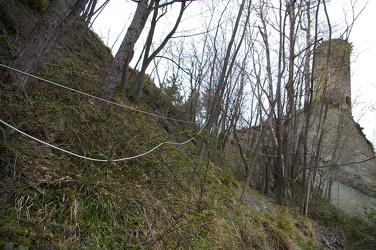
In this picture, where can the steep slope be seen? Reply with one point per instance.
(163, 199)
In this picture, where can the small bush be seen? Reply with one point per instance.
(356, 233)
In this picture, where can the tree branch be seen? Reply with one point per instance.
(168, 3)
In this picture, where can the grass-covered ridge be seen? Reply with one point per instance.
(167, 199)
(164, 200)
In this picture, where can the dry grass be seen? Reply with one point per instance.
(159, 201)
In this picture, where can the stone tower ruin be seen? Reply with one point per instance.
(351, 180)
(332, 73)
(346, 170)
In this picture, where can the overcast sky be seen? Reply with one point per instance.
(363, 38)
(115, 19)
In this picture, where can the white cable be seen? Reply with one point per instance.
(111, 102)
(92, 96)
(104, 100)
(101, 160)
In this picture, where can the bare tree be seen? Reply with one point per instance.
(126, 50)
(289, 78)
(59, 16)
(216, 95)
(278, 62)
(137, 84)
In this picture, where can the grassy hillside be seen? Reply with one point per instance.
(166, 199)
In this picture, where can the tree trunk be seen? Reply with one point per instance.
(219, 92)
(137, 85)
(125, 73)
(125, 51)
(59, 16)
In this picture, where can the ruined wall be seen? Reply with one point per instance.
(347, 168)
(346, 158)
(346, 171)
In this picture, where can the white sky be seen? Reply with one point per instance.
(116, 17)
(363, 38)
